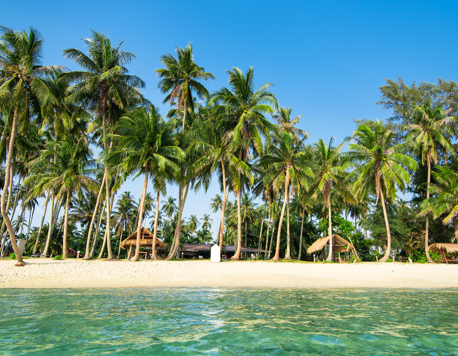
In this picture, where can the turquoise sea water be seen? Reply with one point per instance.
(228, 322)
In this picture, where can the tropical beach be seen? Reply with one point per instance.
(229, 178)
(117, 274)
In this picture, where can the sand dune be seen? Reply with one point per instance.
(72, 273)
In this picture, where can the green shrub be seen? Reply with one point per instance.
(58, 257)
(12, 256)
(389, 260)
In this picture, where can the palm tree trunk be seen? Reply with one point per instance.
(388, 233)
(8, 176)
(268, 228)
(64, 245)
(277, 248)
(156, 220)
(288, 236)
(260, 233)
(184, 116)
(223, 209)
(50, 227)
(2, 231)
(428, 257)
(96, 233)
(102, 249)
(302, 230)
(121, 231)
(239, 225)
(331, 242)
(88, 242)
(455, 228)
(31, 214)
(176, 237)
(272, 237)
(140, 216)
(35, 247)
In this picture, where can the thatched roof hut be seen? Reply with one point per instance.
(146, 240)
(339, 244)
(447, 248)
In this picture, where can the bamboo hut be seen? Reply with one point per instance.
(339, 244)
(442, 249)
(146, 241)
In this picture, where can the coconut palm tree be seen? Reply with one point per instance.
(287, 165)
(286, 124)
(21, 74)
(68, 173)
(144, 143)
(427, 135)
(328, 171)
(445, 198)
(193, 223)
(248, 212)
(244, 108)
(124, 215)
(107, 89)
(206, 222)
(180, 79)
(169, 207)
(379, 167)
(215, 206)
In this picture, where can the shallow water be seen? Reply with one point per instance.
(228, 321)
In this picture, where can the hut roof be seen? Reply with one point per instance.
(146, 239)
(447, 248)
(339, 244)
(233, 248)
(196, 247)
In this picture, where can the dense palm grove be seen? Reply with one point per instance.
(288, 192)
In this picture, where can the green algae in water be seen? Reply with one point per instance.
(228, 321)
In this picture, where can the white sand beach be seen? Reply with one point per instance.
(72, 273)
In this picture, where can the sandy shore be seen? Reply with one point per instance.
(45, 273)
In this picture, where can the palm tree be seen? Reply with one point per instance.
(426, 132)
(106, 88)
(169, 207)
(206, 222)
(144, 143)
(21, 76)
(287, 164)
(68, 172)
(286, 124)
(445, 199)
(248, 212)
(180, 79)
(215, 205)
(379, 167)
(193, 223)
(328, 172)
(244, 109)
(123, 217)
(212, 141)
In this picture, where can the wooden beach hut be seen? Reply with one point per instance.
(339, 245)
(442, 249)
(146, 241)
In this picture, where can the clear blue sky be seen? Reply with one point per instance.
(326, 59)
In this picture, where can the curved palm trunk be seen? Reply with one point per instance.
(121, 231)
(184, 116)
(428, 257)
(50, 227)
(331, 242)
(87, 254)
(223, 209)
(8, 176)
(64, 245)
(388, 233)
(300, 240)
(156, 220)
(277, 248)
(288, 235)
(455, 228)
(176, 237)
(2, 231)
(140, 216)
(268, 228)
(35, 247)
(102, 249)
(96, 233)
(239, 226)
